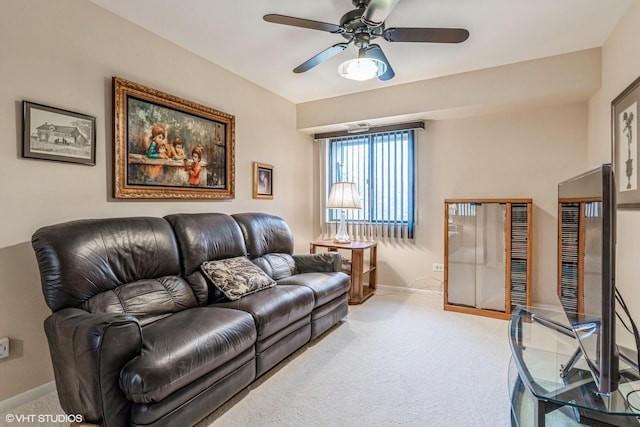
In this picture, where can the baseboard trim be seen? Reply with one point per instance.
(404, 290)
(27, 396)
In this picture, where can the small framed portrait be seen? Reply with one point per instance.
(262, 181)
(50, 133)
(625, 154)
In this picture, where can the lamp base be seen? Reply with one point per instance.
(342, 241)
(342, 236)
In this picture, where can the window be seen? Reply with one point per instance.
(382, 166)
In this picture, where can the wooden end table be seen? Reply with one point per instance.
(363, 279)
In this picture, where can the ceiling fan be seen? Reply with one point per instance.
(361, 26)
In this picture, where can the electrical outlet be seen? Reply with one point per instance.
(438, 267)
(4, 347)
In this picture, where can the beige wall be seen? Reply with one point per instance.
(620, 67)
(522, 153)
(519, 154)
(64, 54)
(565, 78)
(512, 131)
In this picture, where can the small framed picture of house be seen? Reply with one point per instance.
(262, 181)
(53, 134)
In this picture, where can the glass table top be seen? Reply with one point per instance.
(542, 344)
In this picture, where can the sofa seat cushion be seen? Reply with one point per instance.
(275, 308)
(325, 286)
(183, 347)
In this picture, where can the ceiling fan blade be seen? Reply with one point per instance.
(426, 35)
(321, 57)
(377, 11)
(303, 23)
(374, 51)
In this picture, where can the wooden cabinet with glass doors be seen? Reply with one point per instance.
(487, 254)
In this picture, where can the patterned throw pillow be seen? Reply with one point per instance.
(236, 277)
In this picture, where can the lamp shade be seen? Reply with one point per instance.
(344, 195)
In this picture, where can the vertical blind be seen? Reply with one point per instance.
(382, 166)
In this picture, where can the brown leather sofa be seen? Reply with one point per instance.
(139, 335)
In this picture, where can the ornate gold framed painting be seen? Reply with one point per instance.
(262, 181)
(169, 148)
(625, 154)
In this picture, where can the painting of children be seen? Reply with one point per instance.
(168, 147)
(159, 140)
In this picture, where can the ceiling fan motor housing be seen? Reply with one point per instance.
(357, 29)
(352, 21)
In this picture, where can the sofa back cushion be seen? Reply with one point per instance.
(278, 266)
(81, 259)
(264, 234)
(269, 242)
(205, 237)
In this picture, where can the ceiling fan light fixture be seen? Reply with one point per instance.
(362, 68)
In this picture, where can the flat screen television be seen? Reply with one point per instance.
(586, 270)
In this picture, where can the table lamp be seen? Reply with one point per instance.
(343, 195)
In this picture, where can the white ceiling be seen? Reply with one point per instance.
(232, 34)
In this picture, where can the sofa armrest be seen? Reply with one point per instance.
(88, 352)
(321, 262)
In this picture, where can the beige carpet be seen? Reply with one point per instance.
(398, 360)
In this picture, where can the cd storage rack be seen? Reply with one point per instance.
(518, 232)
(520, 250)
(569, 262)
